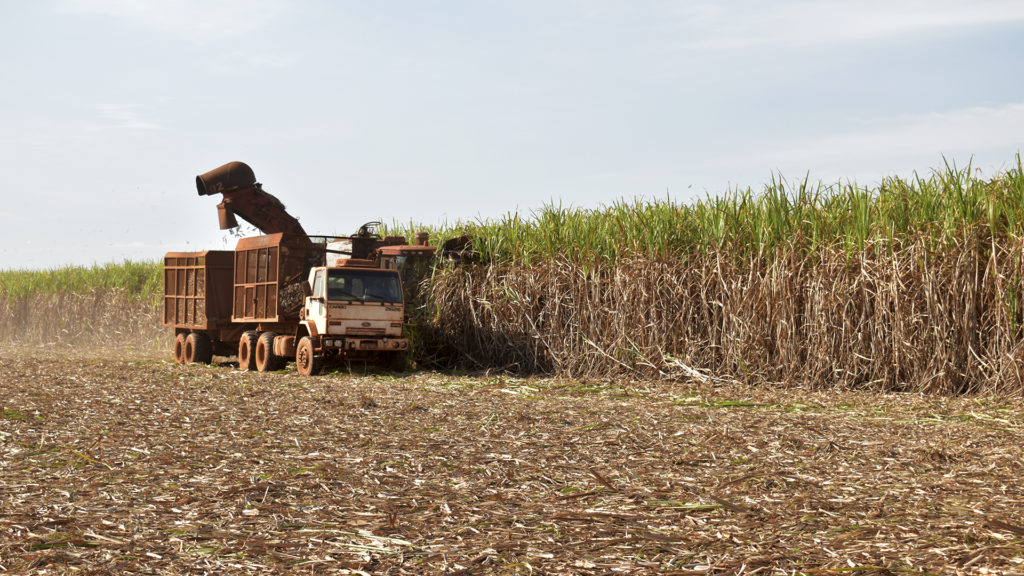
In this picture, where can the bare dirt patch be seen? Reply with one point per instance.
(109, 465)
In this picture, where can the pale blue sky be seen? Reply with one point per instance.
(434, 110)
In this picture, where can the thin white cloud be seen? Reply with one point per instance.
(744, 24)
(13, 217)
(234, 59)
(147, 247)
(987, 136)
(958, 131)
(258, 60)
(131, 117)
(196, 20)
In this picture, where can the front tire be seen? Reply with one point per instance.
(307, 362)
(247, 351)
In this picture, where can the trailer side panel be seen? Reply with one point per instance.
(270, 277)
(197, 290)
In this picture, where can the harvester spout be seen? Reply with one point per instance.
(229, 177)
(245, 197)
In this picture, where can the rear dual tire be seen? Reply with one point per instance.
(193, 348)
(179, 348)
(266, 359)
(247, 351)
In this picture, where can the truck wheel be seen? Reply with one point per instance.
(247, 351)
(179, 348)
(266, 360)
(306, 360)
(198, 348)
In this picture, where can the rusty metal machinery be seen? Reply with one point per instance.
(256, 295)
(245, 197)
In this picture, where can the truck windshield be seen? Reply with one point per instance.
(363, 286)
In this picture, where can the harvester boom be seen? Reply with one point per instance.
(245, 197)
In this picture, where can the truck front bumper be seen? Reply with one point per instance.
(367, 344)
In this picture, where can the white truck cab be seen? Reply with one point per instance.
(355, 310)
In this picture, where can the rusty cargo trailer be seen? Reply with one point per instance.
(197, 304)
(270, 277)
(269, 289)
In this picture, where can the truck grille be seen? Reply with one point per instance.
(346, 328)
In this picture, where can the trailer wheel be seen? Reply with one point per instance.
(247, 351)
(307, 362)
(179, 348)
(266, 360)
(198, 348)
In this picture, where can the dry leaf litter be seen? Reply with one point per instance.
(110, 465)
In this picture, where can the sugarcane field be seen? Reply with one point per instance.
(535, 288)
(688, 394)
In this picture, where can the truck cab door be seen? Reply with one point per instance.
(316, 305)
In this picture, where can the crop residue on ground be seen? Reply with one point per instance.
(154, 467)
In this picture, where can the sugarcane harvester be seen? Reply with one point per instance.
(287, 295)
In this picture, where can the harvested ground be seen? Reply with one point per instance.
(109, 465)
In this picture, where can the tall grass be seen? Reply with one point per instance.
(142, 280)
(803, 215)
(913, 285)
(101, 307)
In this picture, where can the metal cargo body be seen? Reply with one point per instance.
(270, 277)
(197, 293)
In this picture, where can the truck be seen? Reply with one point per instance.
(354, 311)
(288, 295)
